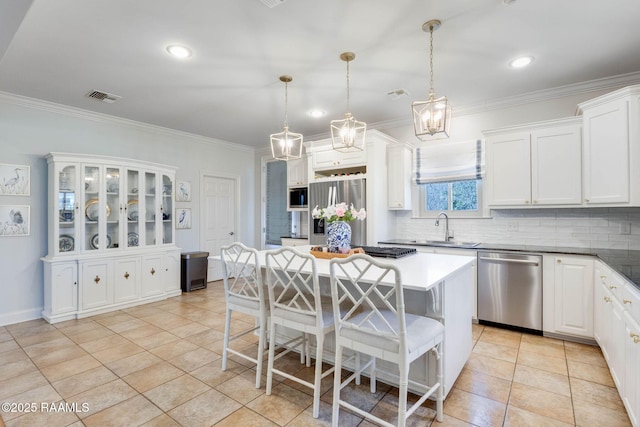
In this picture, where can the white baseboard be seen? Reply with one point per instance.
(20, 316)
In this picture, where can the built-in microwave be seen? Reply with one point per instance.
(298, 198)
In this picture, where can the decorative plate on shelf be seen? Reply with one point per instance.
(132, 210)
(65, 243)
(132, 239)
(91, 210)
(95, 244)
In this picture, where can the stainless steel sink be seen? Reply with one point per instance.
(450, 243)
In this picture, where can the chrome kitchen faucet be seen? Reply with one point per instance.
(446, 225)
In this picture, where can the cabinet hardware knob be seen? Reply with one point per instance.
(613, 287)
(559, 261)
(126, 274)
(97, 279)
(153, 271)
(626, 301)
(535, 201)
(603, 276)
(636, 339)
(633, 335)
(231, 233)
(75, 283)
(607, 299)
(586, 200)
(526, 202)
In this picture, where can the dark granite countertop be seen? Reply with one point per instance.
(625, 262)
(297, 237)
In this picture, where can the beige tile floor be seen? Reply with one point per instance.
(159, 365)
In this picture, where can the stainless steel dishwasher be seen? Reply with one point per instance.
(510, 289)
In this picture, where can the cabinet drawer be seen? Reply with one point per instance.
(631, 300)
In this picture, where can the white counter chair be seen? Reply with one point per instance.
(377, 326)
(295, 303)
(244, 293)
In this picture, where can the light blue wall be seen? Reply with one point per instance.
(30, 129)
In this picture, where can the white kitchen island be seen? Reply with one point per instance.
(436, 285)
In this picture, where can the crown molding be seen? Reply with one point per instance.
(607, 83)
(65, 110)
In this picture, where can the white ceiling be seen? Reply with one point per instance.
(229, 88)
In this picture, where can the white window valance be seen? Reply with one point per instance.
(448, 161)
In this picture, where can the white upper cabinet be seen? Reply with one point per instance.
(535, 164)
(612, 148)
(399, 177)
(297, 172)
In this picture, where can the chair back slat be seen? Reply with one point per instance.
(374, 289)
(241, 272)
(293, 281)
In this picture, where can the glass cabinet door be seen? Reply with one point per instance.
(132, 209)
(114, 207)
(167, 209)
(67, 209)
(92, 212)
(150, 207)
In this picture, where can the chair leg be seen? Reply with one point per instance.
(227, 331)
(260, 354)
(358, 361)
(337, 378)
(317, 380)
(272, 350)
(440, 379)
(402, 393)
(372, 375)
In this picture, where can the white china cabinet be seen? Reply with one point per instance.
(111, 235)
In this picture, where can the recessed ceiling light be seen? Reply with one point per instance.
(521, 62)
(317, 113)
(179, 51)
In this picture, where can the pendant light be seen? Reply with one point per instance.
(286, 145)
(431, 118)
(348, 134)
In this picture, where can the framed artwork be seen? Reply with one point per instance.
(183, 191)
(183, 218)
(14, 180)
(14, 220)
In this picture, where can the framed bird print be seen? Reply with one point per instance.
(14, 220)
(183, 191)
(14, 180)
(183, 218)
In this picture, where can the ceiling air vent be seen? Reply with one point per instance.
(272, 3)
(103, 96)
(397, 94)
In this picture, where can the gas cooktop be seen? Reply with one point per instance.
(387, 252)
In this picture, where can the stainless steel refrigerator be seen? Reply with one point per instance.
(349, 191)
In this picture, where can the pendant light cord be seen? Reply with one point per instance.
(286, 104)
(348, 86)
(431, 91)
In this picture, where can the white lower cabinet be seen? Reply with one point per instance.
(291, 242)
(631, 396)
(62, 296)
(617, 330)
(171, 276)
(96, 288)
(127, 280)
(80, 287)
(152, 275)
(568, 295)
(574, 295)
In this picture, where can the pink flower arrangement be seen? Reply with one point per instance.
(339, 212)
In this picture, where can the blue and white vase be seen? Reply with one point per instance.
(338, 236)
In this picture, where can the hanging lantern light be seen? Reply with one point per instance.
(348, 134)
(286, 145)
(431, 118)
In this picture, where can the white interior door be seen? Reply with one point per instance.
(219, 218)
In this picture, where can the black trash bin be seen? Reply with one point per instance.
(193, 272)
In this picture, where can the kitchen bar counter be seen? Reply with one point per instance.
(436, 285)
(625, 262)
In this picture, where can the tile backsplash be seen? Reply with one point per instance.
(610, 228)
